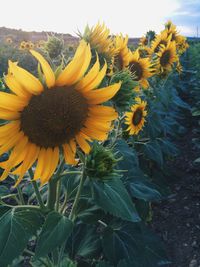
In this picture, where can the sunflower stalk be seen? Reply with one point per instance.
(72, 215)
(36, 189)
(20, 194)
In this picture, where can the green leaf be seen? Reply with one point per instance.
(70, 183)
(143, 189)
(103, 264)
(55, 232)
(134, 243)
(66, 262)
(84, 242)
(153, 151)
(113, 197)
(16, 228)
(3, 191)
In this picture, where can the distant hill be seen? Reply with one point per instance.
(18, 35)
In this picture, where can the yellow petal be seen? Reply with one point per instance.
(69, 74)
(10, 143)
(47, 70)
(81, 140)
(94, 134)
(54, 158)
(9, 128)
(26, 79)
(103, 112)
(69, 155)
(12, 102)
(40, 164)
(30, 158)
(8, 115)
(96, 81)
(15, 86)
(99, 96)
(89, 77)
(14, 157)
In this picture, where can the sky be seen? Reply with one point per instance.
(132, 17)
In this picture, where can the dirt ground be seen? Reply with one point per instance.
(177, 219)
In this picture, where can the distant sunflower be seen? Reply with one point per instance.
(166, 57)
(99, 39)
(143, 41)
(46, 120)
(22, 45)
(121, 58)
(171, 30)
(135, 118)
(160, 40)
(140, 68)
(9, 40)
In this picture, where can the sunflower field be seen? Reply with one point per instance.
(85, 136)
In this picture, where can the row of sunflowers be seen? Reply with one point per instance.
(84, 149)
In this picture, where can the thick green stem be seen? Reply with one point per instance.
(20, 194)
(52, 194)
(58, 190)
(36, 189)
(72, 215)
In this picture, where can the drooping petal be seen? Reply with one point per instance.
(40, 164)
(54, 158)
(81, 140)
(95, 134)
(14, 157)
(99, 96)
(69, 155)
(47, 70)
(26, 79)
(10, 143)
(30, 158)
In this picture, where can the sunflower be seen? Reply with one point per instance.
(143, 41)
(166, 57)
(161, 39)
(171, 30)
(140, 68)
(22, 45)
(135, 118)
(121, 58)
(9, 40)
(44, 120)
(99, 39)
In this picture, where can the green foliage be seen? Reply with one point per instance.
(55, 232)
(16, 228)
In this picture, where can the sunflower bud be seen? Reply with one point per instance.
(100, 163)
(124, 98)
(54, 46)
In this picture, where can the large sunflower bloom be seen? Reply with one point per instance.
(161, 39)
(135, 118)
(46, 120)
(121, 58)
(140, 68)
(166, 57)
(100, 39)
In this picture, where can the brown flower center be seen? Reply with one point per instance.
(165, 58)
(137, 117)
(54, 117)
(137, 70)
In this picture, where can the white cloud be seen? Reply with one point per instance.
(133, 17)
